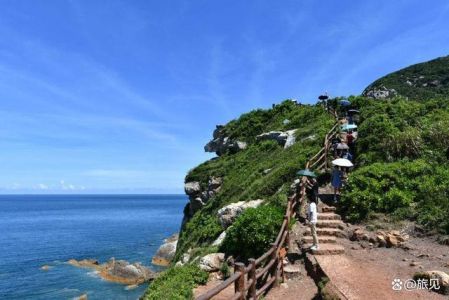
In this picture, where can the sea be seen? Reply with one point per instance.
(37, 230)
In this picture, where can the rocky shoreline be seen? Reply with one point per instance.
(119, 271)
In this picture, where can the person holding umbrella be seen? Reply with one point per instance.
(312, 212)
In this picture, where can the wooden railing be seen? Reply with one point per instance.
(259, 275)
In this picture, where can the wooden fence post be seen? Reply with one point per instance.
(252, 291)
(287, 237)
(274, 268)
(240, 282)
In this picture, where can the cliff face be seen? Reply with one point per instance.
(417, 82)
(258, 156)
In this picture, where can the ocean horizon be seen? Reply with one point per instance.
(50, 229)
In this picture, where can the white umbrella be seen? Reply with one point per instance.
(342, 162)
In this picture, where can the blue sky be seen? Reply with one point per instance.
(121, 96)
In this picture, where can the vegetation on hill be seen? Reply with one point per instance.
(403, 162)
(402, 169)
(176, 283)
(428, 80)
(265, 170)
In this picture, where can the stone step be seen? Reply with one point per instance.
(322, 239)
(326, 249)
(326, 209)
(328, 216)
(329, 224)
(327, 231)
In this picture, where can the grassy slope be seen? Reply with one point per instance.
(437, 69)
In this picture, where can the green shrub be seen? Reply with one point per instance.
(406, 189)
(176, 283)
(253, 231)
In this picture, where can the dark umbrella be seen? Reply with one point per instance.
(342, 146)
(345, 102)
(323, 97)
(307, 173)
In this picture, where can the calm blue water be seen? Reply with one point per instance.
(39, 230)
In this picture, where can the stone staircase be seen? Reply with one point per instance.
(329, 230)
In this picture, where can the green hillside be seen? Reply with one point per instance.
(264, 170)
(401, 173)
(428, 80)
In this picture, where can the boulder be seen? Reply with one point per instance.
(211, 262)
(221, 144)
(124, 272)
(219, 239)
(214, 183)
(291, 138)
(229, 213)
(380, 92)
(381, 240)
(166, 251)
(84, 263)
(192, 188)
(82, 297)
(357, 234)
(283, 138)
(119, 271)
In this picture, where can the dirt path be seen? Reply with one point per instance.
(301, 287)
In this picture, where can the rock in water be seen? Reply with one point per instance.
(123, 272)
(211, 262)
(82, 297)
(166, 251)
(119, 271)
(45, 268)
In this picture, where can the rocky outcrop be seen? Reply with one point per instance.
(166, 251)
(389, 239)
(380, 92)
(198, 197)
(211, 262)
(283, 138)
(227, 214)
(221, 144)
(119, 271)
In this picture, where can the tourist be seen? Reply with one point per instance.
(312, 216)
(350, 141)
(335, 141)
(336, 181)
(312, 188)
(347, 155)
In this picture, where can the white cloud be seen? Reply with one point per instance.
(42, 186)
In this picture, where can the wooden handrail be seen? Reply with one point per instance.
(269, 274)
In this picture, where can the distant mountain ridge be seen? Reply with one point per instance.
(427, 80)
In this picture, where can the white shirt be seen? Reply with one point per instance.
(312, 213)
